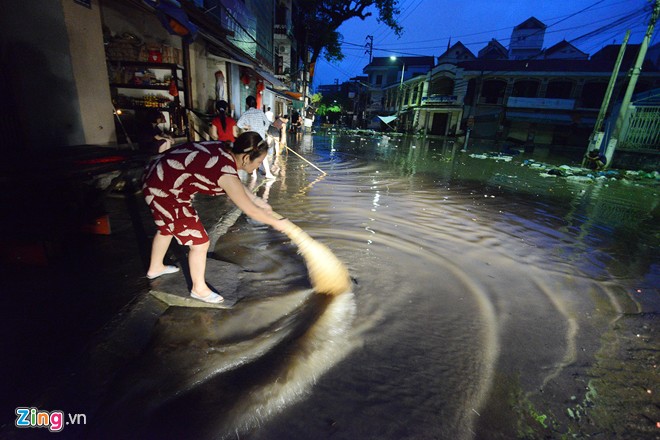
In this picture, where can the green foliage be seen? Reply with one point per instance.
(325, 109)
(318, 20)
(316, 98)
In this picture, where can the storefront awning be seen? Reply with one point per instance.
(281, 95)
(176, 22)
(266, 76)
(294, 95)
(387, 119)
(223, 52)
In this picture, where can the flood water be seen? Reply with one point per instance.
(473, 280)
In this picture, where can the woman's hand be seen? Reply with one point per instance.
(261, 203)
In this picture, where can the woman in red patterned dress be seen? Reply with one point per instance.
(201, 167)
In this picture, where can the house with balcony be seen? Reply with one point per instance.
(386, 79)
(440, 109)
(551, 97)
(544, 101)
(524, 94)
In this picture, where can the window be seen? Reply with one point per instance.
(525, 89)
(593, 94)
(280, 65)
(559, 89)
(442, 86)
(492, 92)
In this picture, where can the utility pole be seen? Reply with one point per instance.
(597, 136)
(634, 76)
(370, 47)
(403, 72)
(306, 66)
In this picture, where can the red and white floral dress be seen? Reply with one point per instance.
(171, 181)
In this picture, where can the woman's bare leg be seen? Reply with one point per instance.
(266, 163)
(158, 250)
(197, 263)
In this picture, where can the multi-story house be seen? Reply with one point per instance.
(527, 39)
(387, 76)
(524, 94)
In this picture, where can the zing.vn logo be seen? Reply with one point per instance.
(53, 420)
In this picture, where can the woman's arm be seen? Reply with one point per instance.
(237, 130)
(213, 132)
(244, 199)
(261, 203)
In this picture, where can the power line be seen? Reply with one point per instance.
(501, 29)
(624, 19)
(620, 20)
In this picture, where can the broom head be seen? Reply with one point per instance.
(327, 274)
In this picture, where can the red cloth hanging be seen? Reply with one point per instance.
(260, 92)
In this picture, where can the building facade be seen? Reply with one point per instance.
(98, 67)
(524, 94)
(389, 88)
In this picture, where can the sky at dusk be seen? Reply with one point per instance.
(428, 26)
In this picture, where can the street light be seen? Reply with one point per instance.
(403, 71)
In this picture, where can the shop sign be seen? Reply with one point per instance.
(439, 99)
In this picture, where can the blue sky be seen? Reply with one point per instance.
(429, 24)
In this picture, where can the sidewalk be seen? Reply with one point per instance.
(61, 283)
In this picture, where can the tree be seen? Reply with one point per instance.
(316, 99)
(318, 21)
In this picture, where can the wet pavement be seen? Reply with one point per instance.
(60, 284)
(468, 272)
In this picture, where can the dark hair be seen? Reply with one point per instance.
(155, 115)
(251, 101)
(250, 143)
(221, 107)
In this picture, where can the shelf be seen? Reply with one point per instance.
(142, 107)
(144, 87)
(165, 66)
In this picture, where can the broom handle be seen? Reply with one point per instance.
(287, 147)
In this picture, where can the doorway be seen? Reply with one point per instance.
(439, 125)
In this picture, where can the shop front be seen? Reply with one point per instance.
(146, 73)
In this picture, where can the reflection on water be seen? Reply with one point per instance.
(475, 269)
(470, 276)
(209, 373)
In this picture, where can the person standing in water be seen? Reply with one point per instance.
(254, 119)
(172, 180)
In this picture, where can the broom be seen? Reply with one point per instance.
(327, 274)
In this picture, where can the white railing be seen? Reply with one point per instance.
(642, 130)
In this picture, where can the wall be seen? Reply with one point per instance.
(205, 96)
(36, 59)
(235, 86)
(122, 19)
(88, 64)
